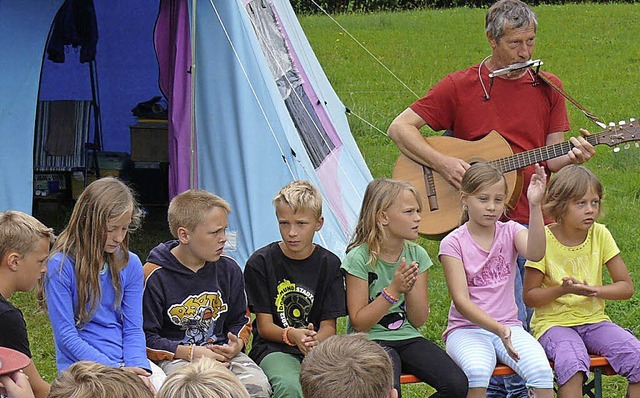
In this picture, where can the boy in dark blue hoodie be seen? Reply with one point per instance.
(194, 304)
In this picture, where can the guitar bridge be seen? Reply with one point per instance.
(430, 188)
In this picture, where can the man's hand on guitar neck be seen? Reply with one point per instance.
(580, 153)
(582, 150)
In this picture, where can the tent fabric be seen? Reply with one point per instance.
(173, 48)
(265, 112)
(248, 143)
(26, 23)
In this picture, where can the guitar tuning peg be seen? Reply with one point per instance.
(627, 146)
(612, 124)
(637, 145)
(633, 119)
(616, 149)
(622, 123)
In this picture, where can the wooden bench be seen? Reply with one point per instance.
(599, 366)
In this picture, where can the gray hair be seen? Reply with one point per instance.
(505, 14)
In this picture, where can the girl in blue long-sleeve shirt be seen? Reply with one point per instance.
(94, 284)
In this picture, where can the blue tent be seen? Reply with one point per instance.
(263, 111)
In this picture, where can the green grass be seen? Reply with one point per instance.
(592, 48)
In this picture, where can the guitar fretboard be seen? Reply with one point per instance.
(538, 155)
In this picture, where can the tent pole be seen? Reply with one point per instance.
(192, 152)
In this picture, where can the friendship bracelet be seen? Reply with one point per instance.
(387, 296)
(190, 353)
(285, 336)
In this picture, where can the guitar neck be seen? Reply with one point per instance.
(526, 158)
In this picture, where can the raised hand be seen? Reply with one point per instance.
(537, 186)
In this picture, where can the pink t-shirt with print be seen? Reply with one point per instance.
(490, 274)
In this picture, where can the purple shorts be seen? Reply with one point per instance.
(569, 348)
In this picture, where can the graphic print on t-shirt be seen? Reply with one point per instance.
(293, 304)
(495, 271)
(394, 320)
(197, 315)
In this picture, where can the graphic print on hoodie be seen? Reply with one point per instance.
(185, 307)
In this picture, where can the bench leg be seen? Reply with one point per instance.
(593, 389)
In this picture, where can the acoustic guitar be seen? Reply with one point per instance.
(441, 202)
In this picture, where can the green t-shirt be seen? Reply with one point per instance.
(394, 325)
(583, 262)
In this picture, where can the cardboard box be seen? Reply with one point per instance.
(149, 142)
(77, 180)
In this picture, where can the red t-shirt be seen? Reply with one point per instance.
(522, 112)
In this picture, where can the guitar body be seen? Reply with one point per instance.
(441, 214)
(441, 208)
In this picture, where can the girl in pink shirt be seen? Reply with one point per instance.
(479, 260)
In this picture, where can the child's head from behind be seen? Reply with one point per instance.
(24, 247)
(390, 209)
(204, 378)
(483, 192)
(198, 219)
(347, 365)
(86, 379)
(299, 212)
(573, 185)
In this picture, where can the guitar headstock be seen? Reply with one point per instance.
(623, 132)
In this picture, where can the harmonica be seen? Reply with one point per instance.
(532, 63)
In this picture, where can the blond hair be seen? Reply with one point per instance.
(347, 365)
(21, 233)
(204, 378)
(189, 208)
(570, 183)
(84, 239)
(86, 379)
(378, 197)
(479, 176)
(300, 195)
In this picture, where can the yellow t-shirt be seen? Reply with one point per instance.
(583, 262)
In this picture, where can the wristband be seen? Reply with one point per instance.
(285, 336)
(387, 296)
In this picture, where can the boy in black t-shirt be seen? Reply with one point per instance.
(295, 288)
(24, 248)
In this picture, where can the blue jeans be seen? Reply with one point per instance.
(512, 386)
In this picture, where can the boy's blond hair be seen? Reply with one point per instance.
(86, 379)
(189, 208)
(300, 195)
(347, 365)
(21, 233)
(570, 183)
(204, 378)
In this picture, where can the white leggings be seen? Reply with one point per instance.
(475, 350)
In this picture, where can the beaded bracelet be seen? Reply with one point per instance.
(285, 336)
(387, 296)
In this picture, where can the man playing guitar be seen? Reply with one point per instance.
(526, 112)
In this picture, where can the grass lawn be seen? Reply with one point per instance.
(592, 48)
